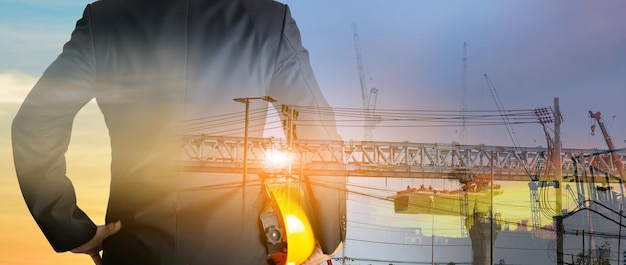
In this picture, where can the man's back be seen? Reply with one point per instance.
(152, 65)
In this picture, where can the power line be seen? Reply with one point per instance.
(354, 117)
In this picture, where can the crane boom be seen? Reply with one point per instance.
(534, 183)
(505, 118)
(616, 160)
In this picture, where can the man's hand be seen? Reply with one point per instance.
(94, 245)
(318, 256)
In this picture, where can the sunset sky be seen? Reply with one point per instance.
(532, 50)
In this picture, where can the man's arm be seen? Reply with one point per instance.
(40, 137)
(295, 84)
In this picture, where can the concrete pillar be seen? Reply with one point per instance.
(483, 234)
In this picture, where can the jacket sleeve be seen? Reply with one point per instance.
(294, 84)
(40, 137)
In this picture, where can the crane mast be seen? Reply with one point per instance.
(464, 95)
(359, 65)
(368, 98)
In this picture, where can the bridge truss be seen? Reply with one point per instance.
(377, 159)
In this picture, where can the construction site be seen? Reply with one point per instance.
(574, 196)
(590, 178)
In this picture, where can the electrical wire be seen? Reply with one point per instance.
(355, 117)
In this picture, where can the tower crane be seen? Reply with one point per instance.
(368, 97)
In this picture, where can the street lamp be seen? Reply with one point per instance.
(245, 135)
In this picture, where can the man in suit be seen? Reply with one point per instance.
(151, 66)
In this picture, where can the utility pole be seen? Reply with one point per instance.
(432, 223)
(246, 101)
(491, 211)
(290, 129)
(556, 158)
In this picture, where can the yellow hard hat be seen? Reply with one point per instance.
(290, 201)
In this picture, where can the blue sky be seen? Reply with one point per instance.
(533, 51)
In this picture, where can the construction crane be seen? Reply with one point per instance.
(591, 194)
(592, 175)
(616, 160)
(534, 183)
(368, 97)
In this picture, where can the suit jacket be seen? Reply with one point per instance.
(151, 65)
